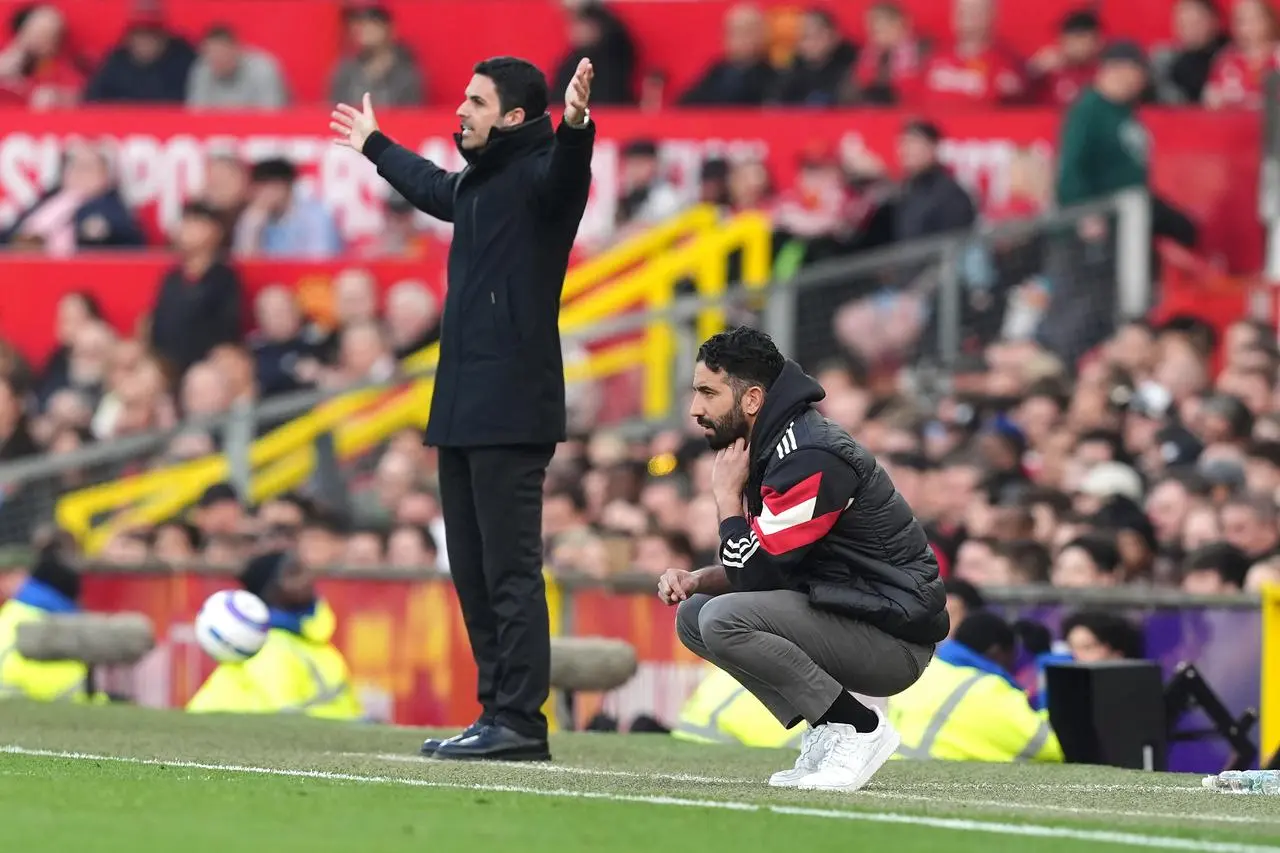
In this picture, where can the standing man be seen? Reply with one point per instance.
(827, 583)
(498, 408)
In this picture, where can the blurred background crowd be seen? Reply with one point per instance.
(1135, 454)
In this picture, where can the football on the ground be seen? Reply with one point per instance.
(232, 625)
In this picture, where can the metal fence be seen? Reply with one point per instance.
(925, 310)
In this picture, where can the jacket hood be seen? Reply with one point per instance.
(792, 393)
(509, 143)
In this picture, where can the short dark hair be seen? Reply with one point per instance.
(519, 83)
(747, 356)
(1111, 630)
(220, 32)
(1081, 21)
(1028, 558)
(1101, 549)
(1229, 562)
(966, 592)
(984, 630)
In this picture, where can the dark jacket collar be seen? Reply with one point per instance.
(508, 143)
(791, 394)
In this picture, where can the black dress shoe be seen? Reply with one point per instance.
(431, 744)
(495, 743)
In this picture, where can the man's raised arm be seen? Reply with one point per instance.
(426, 186)
(566, 182)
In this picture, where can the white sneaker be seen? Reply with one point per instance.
(812, 747)
(851, 757)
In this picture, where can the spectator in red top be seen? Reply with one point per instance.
(1060, 71)
(975, 70)
(36, 69)
(889, 66)
(1239, 72)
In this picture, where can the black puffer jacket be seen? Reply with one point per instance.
(825, 519)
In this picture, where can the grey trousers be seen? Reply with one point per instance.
(796, 660)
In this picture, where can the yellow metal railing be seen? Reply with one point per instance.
(284, 458)
(1269, 707)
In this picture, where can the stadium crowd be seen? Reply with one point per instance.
(1153, 460)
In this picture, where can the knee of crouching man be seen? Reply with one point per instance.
(687, 622)
(717, 621)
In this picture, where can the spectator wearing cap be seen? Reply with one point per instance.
(1060, 72)
(298, 669)
(1216, 569)
(742, 76)
(818, 75)
(1104, 148)
(1174, 447)
(1104, 481)
(199, 300)
(597, 34)
(150, 65)
(229, 75)
(281, 222)
(380, 65)
(1088, 561)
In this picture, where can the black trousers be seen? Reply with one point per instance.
(491, 499)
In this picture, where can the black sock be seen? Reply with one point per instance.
(848, 710)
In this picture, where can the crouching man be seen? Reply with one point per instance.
(827, 584)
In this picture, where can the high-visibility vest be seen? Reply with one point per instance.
(290, 674)
(959, 713)
(43, 681)
(723, 711)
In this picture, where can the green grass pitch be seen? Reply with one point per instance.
(127, 779)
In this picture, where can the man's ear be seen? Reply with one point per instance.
(514, 117)
(753, 400)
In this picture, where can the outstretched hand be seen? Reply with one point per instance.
(353, 127)
(578, 95)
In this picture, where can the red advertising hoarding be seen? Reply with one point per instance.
(1205, 163)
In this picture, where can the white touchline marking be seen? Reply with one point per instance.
(538, 766)
(887, 795)
(956, 824)
(1197, 790)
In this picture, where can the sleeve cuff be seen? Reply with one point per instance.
(734, 528)
(576, 135)
(377, 143)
